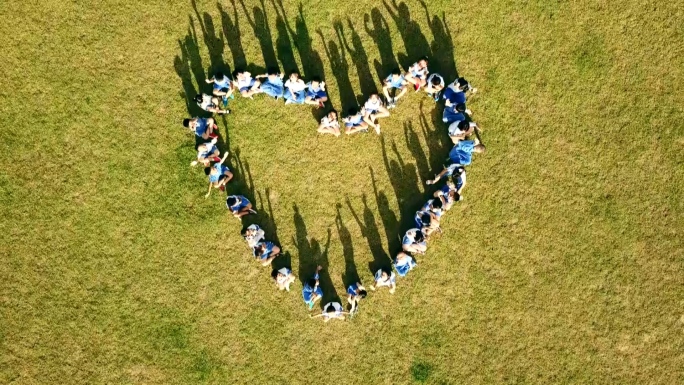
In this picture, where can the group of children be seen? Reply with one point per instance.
(296, 91)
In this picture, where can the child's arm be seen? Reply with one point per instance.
(225, 156)
(209, 192)
(209, 80)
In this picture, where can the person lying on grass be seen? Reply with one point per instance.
(448, 194)
(253, 235)
(354, 122)
(414, 242)
(461, 129)
(463, 151)
(283, 278)
(331, 310)
(434, 86)
(207, 153)
(295, 89)
(223, 87)
(202, 127)
(395, 81)
(385, 277)
(355, 293)
(210, 104)
(272, 83)
(239, 206)
(329, 124)
(219, 175)
(315, 92)
(265, 252)
(417, 73)
(454, 170)
(373, 110)
(403, 263)
(312, 292)
(455, 92)
(247, 85)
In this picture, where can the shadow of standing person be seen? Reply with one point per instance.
(360, 59)
(340, 69)
(383, 39)
(231, 27)
(415, 43)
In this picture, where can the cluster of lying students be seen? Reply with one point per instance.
(295, 90)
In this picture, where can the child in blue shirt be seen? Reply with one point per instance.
(355, 293)
(201, 127)
(265, 252)
(403, 263)
(239, 206)
(354, 122)
(315, 92)
(219, 175)
(223, 87)
(312, 292)
(384, 277)
(395, 81)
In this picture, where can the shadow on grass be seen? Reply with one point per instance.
(358, 55)
(340, 69)
(382, 37)
(414, 40)
(311, 256)
(350, 275)
(369, 230)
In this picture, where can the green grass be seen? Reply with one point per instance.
(562, 265)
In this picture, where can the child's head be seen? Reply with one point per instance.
(426, 219)
(353, 111)
(374, 96)
(363, 294)
(315, 81)
(463, 125)
(463, 84)
(332, 115)
(460, 107)
(420, 237)
(238, 72)
(435, 81)
(198, 98)
(480, 148)
(231, 201)
(437, 204)
(219, 76)
(384, 274)
(273, 71)
(186, 123)
(396, 73)
(311, 283)
(330, 309)
(294, 76)
(259, 250)
(423, 61)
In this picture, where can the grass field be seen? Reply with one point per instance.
(564, 263)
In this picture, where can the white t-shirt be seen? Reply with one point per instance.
(417, 71)
(285, 275)
(326, 122)
(454, 130)
(296, 86)
(371, 105)
(244, 80)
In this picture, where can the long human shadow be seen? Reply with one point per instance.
(388, 217)
(437, 139)
(340, 69)
(369, 230)
(414, 40)
(262, 31)
(413, 144)
(360, 58)
(188, 65)
(404, 180)
(283, 45)
(442, 47)
(231, 30)
(312, 64)
(383, 40)
(310, 256)
(350, 275)
(215, 44)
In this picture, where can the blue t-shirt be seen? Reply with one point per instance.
(395, 83)
(241, 202)
(208, 152)
(454, 95)
(308, 291)
(353, 120)
(267, 250)
(221, 170)
(462, 153)
(201, 127)
(221, 84)
(351, 290)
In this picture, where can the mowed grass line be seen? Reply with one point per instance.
(563, 264)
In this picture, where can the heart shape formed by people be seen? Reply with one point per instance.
(207, 103)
